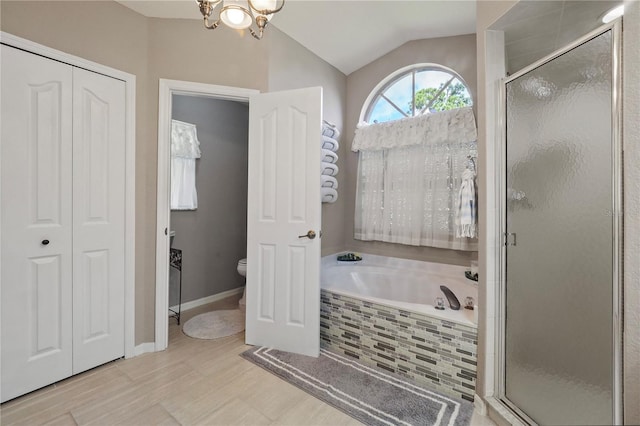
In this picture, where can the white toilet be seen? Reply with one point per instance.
(242, 267)
(242, 270)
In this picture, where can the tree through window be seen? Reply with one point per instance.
(420, 89)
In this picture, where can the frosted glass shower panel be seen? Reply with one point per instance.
(559, 275)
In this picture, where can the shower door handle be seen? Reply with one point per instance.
(310, 235)
(510, 239)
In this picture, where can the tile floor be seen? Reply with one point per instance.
(192, 382)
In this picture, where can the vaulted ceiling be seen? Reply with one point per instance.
(348, 34)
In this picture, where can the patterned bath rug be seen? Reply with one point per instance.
(215, 324)
(369, 395)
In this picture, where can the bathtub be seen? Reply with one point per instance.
(405, 284)
(380, 311)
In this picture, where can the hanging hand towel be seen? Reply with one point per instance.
(185, 148)
(330, 143)
(329, 195)
(329, 156)
(329, 182)
(183, 184)
(467, 211)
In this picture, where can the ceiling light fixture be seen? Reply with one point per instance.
(240, 14)
(613, 14)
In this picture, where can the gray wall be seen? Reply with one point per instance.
(214, 236)
(289, 65)
(457, 53)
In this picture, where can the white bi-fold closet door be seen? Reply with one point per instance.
(62, 220)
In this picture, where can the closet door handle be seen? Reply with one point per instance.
(45, 242)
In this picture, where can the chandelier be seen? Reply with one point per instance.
(240, 14)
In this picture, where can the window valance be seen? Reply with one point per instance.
(184, 140)
(457, 125)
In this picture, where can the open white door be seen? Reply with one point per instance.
(283, 263)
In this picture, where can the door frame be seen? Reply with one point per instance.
(168, 88)
(130, 349)
(496, 266)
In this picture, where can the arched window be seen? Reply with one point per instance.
(414, 165)
(414, 90)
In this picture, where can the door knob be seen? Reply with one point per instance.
(45, 242)
(310, 235)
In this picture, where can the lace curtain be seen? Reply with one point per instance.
(409, 179)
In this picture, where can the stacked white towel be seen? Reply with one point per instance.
(330, 129)
(329, 156)
(329, 195)
(329, 182)
(330, 143)
(329, 169)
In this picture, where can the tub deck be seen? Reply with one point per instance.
(432, 350)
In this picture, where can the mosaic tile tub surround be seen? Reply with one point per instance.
(437, 353)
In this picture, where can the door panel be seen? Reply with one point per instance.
(98, 224)
(36, 158)
(95, 265)
(283, 269)
(267, 165)
(560, 271)
(296, 293)
(44, 286)
(267, 282)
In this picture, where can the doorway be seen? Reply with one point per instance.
(284, 142)
(193, 101)
(209, 202)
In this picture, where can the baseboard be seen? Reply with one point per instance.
(479, 405)
(144, 348)
(209, 299)
(499, 413)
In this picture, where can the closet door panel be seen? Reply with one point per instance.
(36, 224)
(98, 224)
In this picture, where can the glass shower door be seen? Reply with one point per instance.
(560, 206)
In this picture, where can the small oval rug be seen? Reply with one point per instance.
(215, 324)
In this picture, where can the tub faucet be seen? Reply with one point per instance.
(454, 303)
